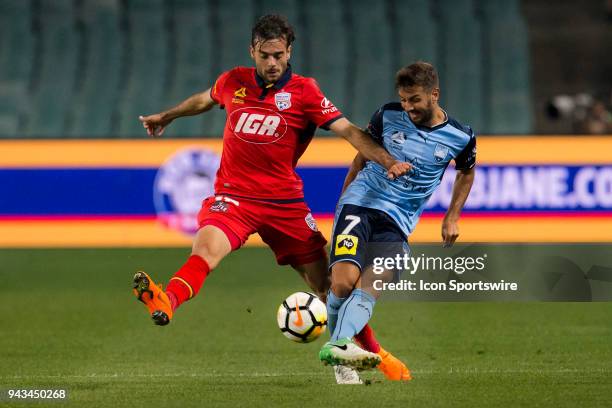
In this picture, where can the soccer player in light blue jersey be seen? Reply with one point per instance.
(375, 215)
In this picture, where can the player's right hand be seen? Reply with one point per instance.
(398, 169)
(154, 124)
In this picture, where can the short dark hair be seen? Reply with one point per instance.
(272, 27)
(418, 74)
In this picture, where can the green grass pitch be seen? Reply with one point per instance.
(68, 320)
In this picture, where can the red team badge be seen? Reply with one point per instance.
(218, 206)
(282, 100)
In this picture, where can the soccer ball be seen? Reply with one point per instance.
(302, 317)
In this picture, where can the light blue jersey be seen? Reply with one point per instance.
(429, 150)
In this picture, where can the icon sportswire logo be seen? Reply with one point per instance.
(257, 125)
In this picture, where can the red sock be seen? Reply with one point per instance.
(367, 340)
(186, 283)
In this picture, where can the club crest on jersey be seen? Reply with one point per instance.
(282, 100)
(181, 183)
(310, 221)
(398, 137)
(218, 206)
(440, 152)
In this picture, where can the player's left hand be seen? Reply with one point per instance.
(398, 169)
(450, 232)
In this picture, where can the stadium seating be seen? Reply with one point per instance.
(371, 70)
(234, 22)
(94, 108)
(414, 31)
(88, 68)
(326, 33)
(191, 38)
(16, 58)
(460, 59)
(506, 69)
(13, 100)
(148, 65)
(55, 71)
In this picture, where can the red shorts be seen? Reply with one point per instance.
(288, 228)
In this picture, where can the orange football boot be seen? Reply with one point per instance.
(392, 367)
(152, 295)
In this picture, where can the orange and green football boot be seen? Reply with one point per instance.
(152, 295)
(346, 353)
(392, 367)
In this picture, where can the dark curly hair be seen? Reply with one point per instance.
(418, 74)
(272, 27)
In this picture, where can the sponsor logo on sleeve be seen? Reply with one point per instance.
(346, 245)
(239, 95)
(472, 154)
(327, 106)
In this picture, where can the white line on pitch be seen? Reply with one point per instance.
(452, 370)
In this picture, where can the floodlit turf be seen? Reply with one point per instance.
(68, 320)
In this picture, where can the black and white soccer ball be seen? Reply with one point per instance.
(302, 317)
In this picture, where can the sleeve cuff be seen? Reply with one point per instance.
(465, 167)
(325, 126)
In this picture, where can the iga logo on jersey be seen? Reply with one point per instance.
(181, 184)
(257, 125)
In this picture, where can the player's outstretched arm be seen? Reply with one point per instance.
(370, 150)
(461, 190)
(195, 104)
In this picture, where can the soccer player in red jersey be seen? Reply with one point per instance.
(272, 114)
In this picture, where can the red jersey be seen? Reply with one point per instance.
(267, 129)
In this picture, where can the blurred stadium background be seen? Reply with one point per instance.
(85, 200)
(75, 75)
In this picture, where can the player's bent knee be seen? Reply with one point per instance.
(344, 277)
(212, 245)
(211, 252)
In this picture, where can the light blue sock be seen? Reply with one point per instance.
(353, 315)
(333, 306)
